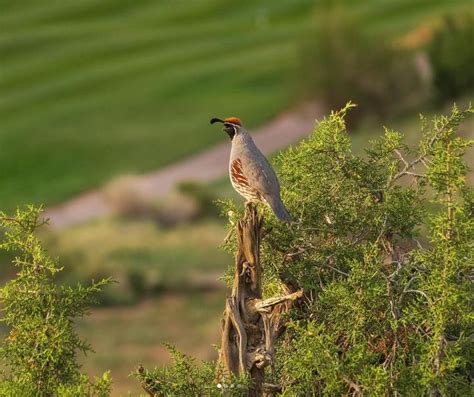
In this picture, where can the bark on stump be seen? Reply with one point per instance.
(251, 324)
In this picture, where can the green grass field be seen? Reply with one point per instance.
(90, 90)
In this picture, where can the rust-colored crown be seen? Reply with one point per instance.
(233, 120)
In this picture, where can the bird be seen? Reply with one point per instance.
(251, 174)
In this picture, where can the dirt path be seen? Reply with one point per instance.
(206, 166)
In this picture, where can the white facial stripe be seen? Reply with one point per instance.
(236, 126)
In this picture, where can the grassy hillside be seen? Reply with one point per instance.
(89, 90)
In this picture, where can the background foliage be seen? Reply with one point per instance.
(40, 351)
(452, 56)
(341, 59)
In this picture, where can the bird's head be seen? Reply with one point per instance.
(232, 125)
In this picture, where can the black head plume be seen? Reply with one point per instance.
(216, 120)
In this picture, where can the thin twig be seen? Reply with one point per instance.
(406, 289)
(401, 157)
(415, 291)
(353, 385)
(336, 269)
(415, 174)
(422, 158)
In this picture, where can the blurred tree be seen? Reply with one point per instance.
(341, 61)
(451, 53)
(40, 350)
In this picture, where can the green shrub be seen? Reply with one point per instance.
(387, 310)
(39, 353)
(451, 53)
(342, 62)
(186, 378)
(384, 314)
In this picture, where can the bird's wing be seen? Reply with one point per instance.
(259, 174)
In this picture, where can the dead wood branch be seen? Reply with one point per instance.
(265, 305)
(251, 324)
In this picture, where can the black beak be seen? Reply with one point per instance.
(214, 120)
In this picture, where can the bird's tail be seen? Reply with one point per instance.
(279, 209)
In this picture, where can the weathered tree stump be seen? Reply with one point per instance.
(251, 324)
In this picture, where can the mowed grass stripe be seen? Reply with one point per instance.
(178, 81)
(36, 14)
(64, 58)
(245, 18)
(115, 13)
(124, 70)
(170, 85)
(19, 42)
(55, 69)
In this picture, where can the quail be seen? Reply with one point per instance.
(250, 173)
